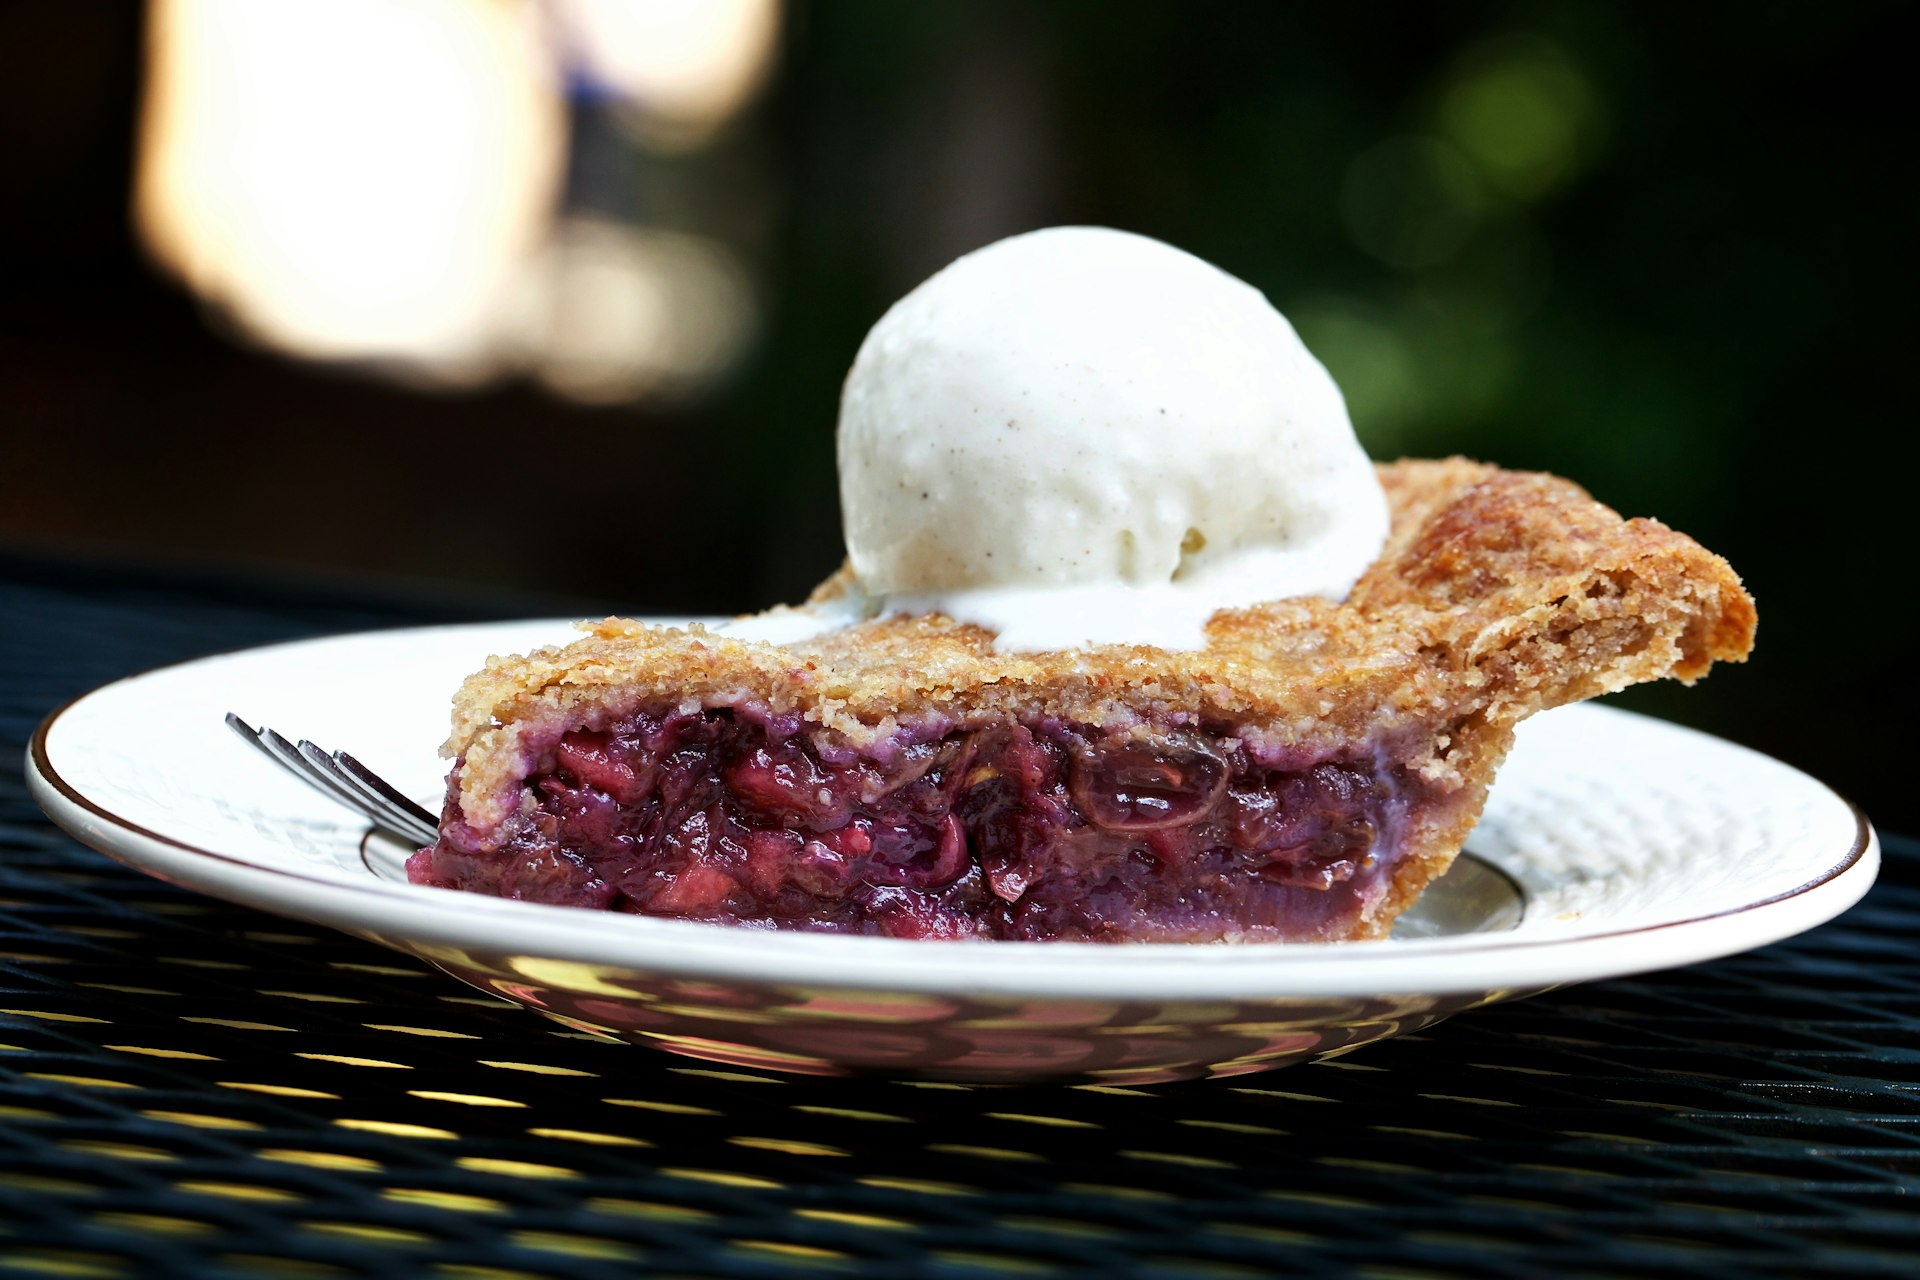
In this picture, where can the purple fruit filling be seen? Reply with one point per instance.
(1008, 831)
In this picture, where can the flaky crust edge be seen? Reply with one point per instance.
(1498, 594)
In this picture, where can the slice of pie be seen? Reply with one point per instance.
(1303, 778)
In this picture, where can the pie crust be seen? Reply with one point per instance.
(1498, 594)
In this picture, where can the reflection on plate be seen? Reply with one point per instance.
(1612, 844)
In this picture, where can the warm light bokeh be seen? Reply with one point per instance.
(350, 179)
(685, 67)
(379, 182)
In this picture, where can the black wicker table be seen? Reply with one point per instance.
(189, 1088)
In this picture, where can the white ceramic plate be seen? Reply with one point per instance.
(1612, 844)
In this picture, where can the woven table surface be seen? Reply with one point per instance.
(189, 1088)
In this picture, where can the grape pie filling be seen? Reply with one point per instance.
(1003, 830)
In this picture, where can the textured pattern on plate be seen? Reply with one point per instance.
(1662, 835)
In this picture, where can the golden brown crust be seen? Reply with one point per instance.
(1498, 594)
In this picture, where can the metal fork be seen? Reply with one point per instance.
(340, 777)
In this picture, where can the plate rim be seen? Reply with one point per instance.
(1074, 971)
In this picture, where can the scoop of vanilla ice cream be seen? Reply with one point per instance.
(1080, 435)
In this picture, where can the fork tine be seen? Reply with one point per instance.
(251, 736)
(361, 790)
(281, 752)
(291, 756)
(376, 796)
(368, 780)
(394, 821)
(373, 805)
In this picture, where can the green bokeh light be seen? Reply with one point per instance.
(1524, 111)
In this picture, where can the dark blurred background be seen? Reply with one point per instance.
(556, 298)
